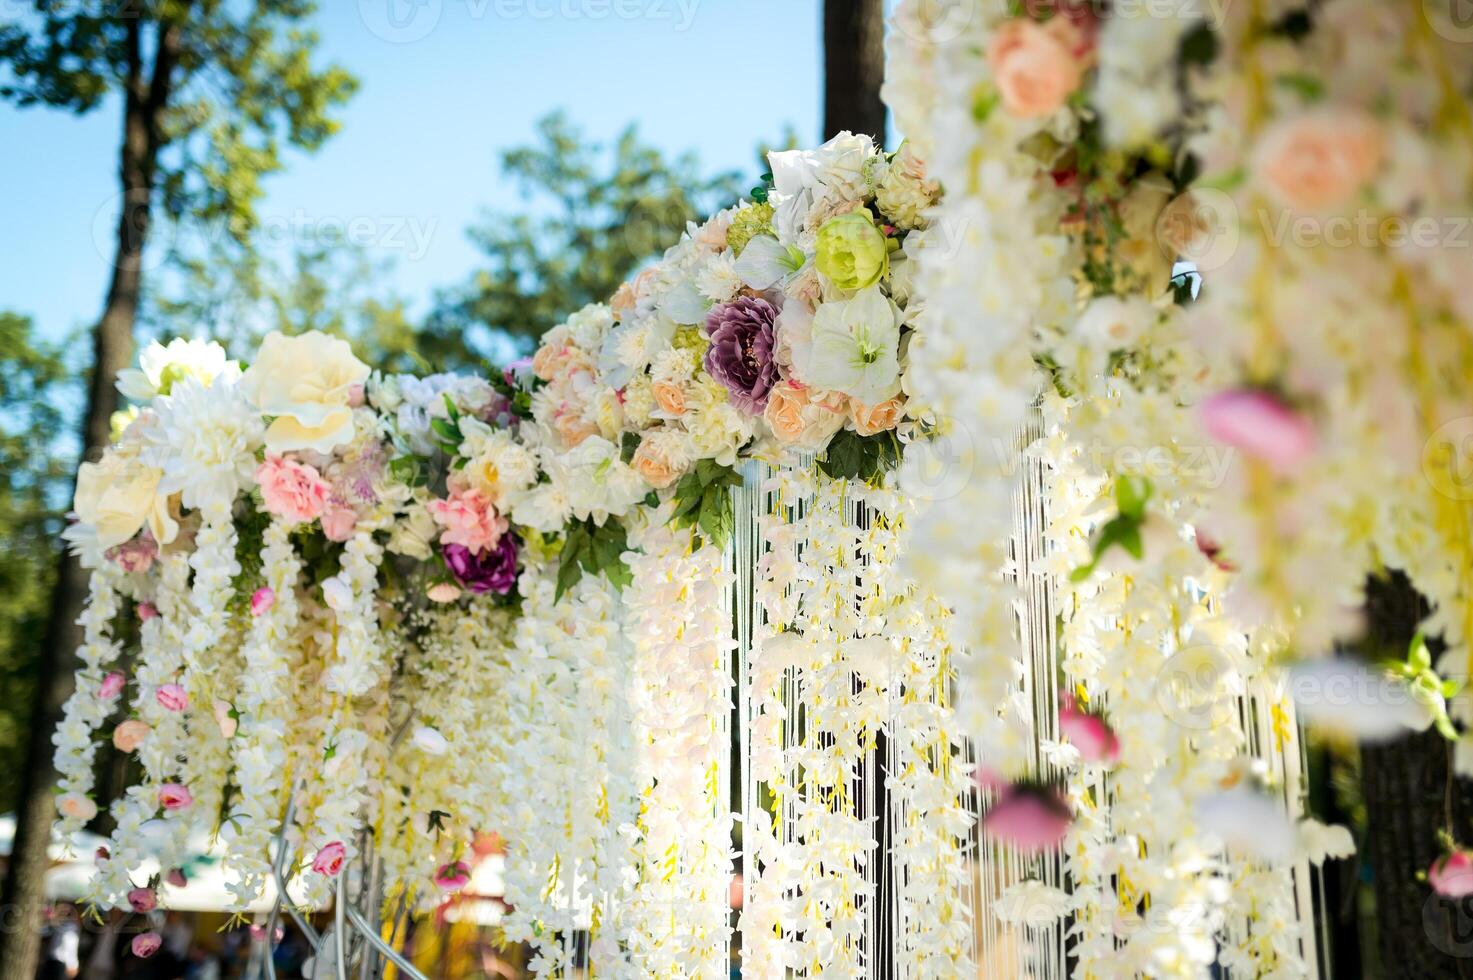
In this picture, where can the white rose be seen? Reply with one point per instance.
(306, 382)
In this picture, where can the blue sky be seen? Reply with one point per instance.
(446, 84)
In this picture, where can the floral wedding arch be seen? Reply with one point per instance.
(927, 562)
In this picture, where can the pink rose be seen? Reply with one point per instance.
(111, 686)
(1034, 66)
(175, 796)
(171, 697)
(1452, 876)
(145, 944)
(1319, 159)
(147, 611)
(129, 735)
(143, 900)
(1087, 732)
(293, 491)
(468, 519)
(262, 600)
(1032, 819)
(453, 877)
(338, 523)
(1260, 425)
(329, 860)
(76, 806)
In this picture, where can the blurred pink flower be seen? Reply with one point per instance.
(1032, 819)
(145, 944)
(329, 860)
(172, 697)
(1452, 876)
(1087, 732)
(338, 523)
(262, 600)
(1261, 426)
(142, 899)
(468, 519)
(452, 877)
(146, 611)
(175, 796)
(112, 686)
(291, 490)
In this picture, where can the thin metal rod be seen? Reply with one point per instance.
(377, 942)
(282, 899)
(340, 931)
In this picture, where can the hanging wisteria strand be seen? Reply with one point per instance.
(679, 620)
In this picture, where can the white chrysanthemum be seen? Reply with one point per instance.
(159, 367)
(205, 441)
(544, 508)
(495, 462)
(717, 279)
(675, 366)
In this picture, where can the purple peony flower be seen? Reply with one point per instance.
(740, 356)
(491, 570)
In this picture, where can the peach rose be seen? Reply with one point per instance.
(653, 466)
(670, 397)
(1034, 66)
(784, 413)
(1316, 160)
(547, 361)
(76, 806)
(573, 428)
(129, 735)
(870, 419)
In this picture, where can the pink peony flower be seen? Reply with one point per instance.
(145, 944)
(262, 600)
(338, 523)
(452, 877)
(1260, 425)
(171, 697)
(176, 877)
(1319, 159)
(1452, 876)
(1034, 66)
(175, 796)
(468, 519)
(129, 735)
(143, 899)
(1030, 818)
(147, 611)
(111, 686)
(329, 860)
(1087, 732)
(292, 490)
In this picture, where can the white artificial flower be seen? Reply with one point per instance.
(159, 367)
(628, 348)
(1112, 322)
(855, 347)
(718, 429)
(1032, 903)
(1249, 822)
(804, 178)
(765, 262)
(588, 326)
(337, 594)
(717, 278)
(429, 740)
(1318, 842)
(205, 442)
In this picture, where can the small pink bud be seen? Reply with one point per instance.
(453, 877)
(262, 600)
(112, 686)
(1452, 876)
(338, 523)
(224, 718)
(143, 900)
(1087, 732)
(175, 796)
(129, 735)
(329, 860)
(355, 396)
(176, 877)
(443, 592)
(147, 611)
(145, 944)
(102, 854)
(171, 697)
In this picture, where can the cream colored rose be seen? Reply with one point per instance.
(608, 414)
(871, 419)
(1034, 66)
(414, 536)
(784, 412)
(307, 383)
(1316, 161)
(119, 495)
(654, 466)
(670, 397)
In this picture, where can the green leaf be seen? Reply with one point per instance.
(568, 574)
(1419, 658)
(1131, 495)
(628, 445)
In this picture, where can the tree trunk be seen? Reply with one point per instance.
(23, 897)
(853, 67)
(1410, 794)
